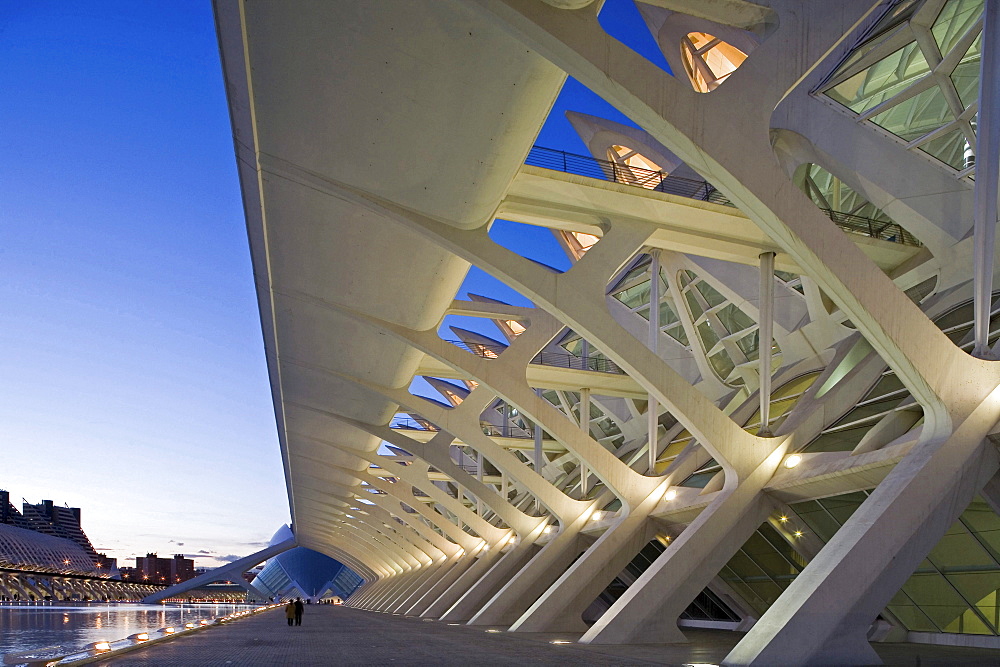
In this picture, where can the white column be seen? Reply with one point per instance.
(479, 476)
(987, 165)
(539, 456)
(585, 427)
(652, 412)
(765, 331)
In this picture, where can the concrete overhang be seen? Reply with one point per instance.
(576, 203)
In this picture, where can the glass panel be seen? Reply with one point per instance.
(667, 314)
(959, 550)
(952, 148)
(955, 19)
(966, 75)
(700, 480)
(635, 296)
(707, 335)
(734, 319)
(915, 117)
(723, 365)
(882, 80)
(712, 297)
(693, 306)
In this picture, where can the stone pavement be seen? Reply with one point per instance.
(340, 636)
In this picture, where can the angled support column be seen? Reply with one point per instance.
(653, 341)
(870, 558)
(226, 572)
(460, 603)
(765, 333)
(987, 173)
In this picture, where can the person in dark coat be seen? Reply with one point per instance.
(299, 608)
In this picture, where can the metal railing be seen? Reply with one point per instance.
(605, 170)
(410, 425)
(885, 230)
(658, 181)
(556, 359)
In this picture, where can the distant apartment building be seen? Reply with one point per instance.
(50, 519)
(151, 568)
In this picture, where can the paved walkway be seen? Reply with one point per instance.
(340, 636)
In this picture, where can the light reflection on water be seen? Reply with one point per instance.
(74, 625)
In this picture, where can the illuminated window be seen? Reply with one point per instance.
(634, 168)
(708, 60)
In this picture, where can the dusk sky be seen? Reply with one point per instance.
(132, 380)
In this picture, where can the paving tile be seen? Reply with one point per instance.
(332, 635)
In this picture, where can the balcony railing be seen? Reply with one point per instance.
(658, 181)
(556, 359)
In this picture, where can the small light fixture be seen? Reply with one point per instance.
(549, 529)
(798, 533)
(512, 539)
(168, 631)
(670, 494)
(203, 622)
(189, 625)
(102, 646)
(560, 641)
(494, 632)
(597, 516)
(793, 460)
(142, 637)
(783, 518)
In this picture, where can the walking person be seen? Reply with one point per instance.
(299, 608)
(290, 612)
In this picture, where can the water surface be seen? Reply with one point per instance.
(74, 625)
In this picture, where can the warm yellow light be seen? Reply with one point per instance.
(597, 516)
(102, 646)
(798, 533)
(142, 636)
(793, 460)
(189, 625)
(670, 494)
(549, 529)
(782, 518)
(560, 641)
(512, 539)
(168, 631)
(203, 622)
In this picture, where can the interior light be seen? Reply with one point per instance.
(782, 518)
(189, 625)
(793, 460)
(512, 539)
(597, 516)
(492, 631)
(670, 494)
(549, 529)
(560, 641)
(168, 631)
(142, 637)
(798, 533)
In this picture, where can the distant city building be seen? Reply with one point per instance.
(51, 519)
(158, 570)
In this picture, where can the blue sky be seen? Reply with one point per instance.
(133, 375)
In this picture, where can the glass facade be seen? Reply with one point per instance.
(917, 77)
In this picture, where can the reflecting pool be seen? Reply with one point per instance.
(74, 625)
